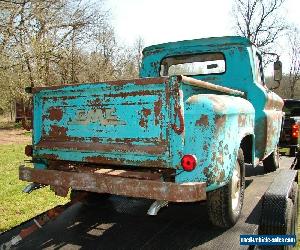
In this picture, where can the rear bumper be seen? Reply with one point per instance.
(116, 182)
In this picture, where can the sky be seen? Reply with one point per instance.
(159, 21)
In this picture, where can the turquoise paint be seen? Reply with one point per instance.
(215, 147)
(124, 114)
(240, 74)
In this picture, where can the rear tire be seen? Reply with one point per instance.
(297, 166)
(293, 151)
(225, 204)
(271, 163)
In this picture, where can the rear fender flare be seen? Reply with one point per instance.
(215, 126)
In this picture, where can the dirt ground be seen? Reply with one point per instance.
(13, 135)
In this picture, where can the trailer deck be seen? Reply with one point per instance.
(122, 223)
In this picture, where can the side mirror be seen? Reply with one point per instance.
(277, 71)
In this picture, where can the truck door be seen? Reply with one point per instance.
(268, 121)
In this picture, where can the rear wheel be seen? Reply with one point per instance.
(271, 163)
(297, 160)
(225, 204)
(293, 151)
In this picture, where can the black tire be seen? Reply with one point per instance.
(293, 151)
(220, 201)
(297, 166)
(271, 163)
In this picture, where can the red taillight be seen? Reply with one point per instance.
(189, 162)
(295, 131)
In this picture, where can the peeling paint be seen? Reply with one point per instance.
(151, 123)
(203, 121)
(55, 114)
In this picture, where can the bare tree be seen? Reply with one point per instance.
(260, 21)
(294, 72)
(59, 42)
(138, 47)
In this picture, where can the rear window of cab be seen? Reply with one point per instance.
(196, 64)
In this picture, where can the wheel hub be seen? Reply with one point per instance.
(235, 187)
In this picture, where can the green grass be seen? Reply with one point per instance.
(16, 206)
(298, 235)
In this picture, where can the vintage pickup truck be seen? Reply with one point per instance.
(180, 133)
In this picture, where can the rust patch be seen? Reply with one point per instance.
(205, 171)
(144, 118)
(218, 105)
(48, 156)
(273, 102)
(96, 102)
(134, 93)
(210, 86)
(60, 190)
(208, 172)
(122, 161)
(220, 121)
(220, 178)
(58, 132)
(157, 111)
(86, 146)
(55, 114)
(146, 112)
(94, 182)
(143, 123)
(220, 159)
(213, 158)
(213, 175)
(242, 120)
(203, 121)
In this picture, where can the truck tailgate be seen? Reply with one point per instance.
(122, 122)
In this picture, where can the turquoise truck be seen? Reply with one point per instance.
(182, 132)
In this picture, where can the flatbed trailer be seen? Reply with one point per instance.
(122, 223)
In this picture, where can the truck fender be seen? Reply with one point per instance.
(215, 127)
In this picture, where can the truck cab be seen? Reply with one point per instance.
(180, 133)
(232, 62)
